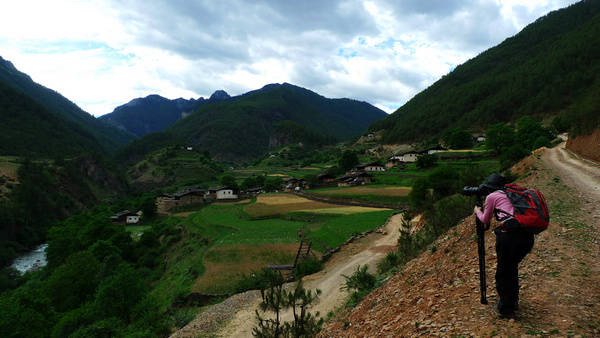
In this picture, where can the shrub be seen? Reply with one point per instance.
(307, 267)
(255, 281)
(420, 196)
(426, 161)
(391, 260)
(360, 280)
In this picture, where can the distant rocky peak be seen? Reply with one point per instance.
(219, 95)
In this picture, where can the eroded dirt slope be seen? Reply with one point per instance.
(437, 294)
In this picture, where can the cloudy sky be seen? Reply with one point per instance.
(101, 54)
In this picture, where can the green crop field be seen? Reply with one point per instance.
(240, 244)
(371, 192)
(336, 230)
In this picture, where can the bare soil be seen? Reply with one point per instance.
(437, 294)
(586, 145)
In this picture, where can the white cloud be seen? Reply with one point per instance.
(101, 54)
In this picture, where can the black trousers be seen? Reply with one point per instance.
(511, 247)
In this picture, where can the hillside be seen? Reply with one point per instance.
(155, 113)
(28, 129)
(109, 137)
(437, 294)
(550, 67)
(249, 125)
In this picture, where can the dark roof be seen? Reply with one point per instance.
(219, 188)
(122, 214)
(184, 192)
(323, 176)
(372, 164)
(355, 175)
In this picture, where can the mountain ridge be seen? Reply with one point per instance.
(107, 136)
(240, 127)
(547, 69)
(154, 113)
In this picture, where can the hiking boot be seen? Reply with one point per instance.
(502, 314)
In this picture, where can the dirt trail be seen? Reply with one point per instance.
(437, 294)
(582, 174)
(328, 281)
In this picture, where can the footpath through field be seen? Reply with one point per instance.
(368, 250)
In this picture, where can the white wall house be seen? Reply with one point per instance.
(226, 194)
(372, 167)
(132, 219)
(410, 157)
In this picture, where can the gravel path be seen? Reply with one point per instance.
(214, 317)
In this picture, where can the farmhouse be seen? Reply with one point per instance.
(479, 138)
(221, 193)
(325, 178)
(433, 150)
(295, 184)
(357, 178)
(255, 191)
(393, 161)
(191, 196)
(369, 167)
(410, 156)
(126, 217)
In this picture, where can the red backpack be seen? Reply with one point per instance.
(530, 207)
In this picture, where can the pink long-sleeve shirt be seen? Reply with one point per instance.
(495, 201)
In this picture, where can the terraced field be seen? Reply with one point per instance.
(241, 243)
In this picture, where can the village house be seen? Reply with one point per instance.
(369, 167)
(433, 150)
(255, 191)
(294, 184)
(410, 156)
(325, 179)
(479, 138)
(126, 217)
(191, 196)
(356, 178)
(394, 161)
(221, 193)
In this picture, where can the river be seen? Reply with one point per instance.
(32, 260)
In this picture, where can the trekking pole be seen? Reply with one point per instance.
(481, 252)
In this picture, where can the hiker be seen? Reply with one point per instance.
(513, 243)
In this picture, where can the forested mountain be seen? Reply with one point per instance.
(109, 137)
(28, 129)
(248, 125)
(550, 68)
(154, 113)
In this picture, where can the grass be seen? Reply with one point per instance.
(226, 263)
(270, 205)
(342, 210)
(380, 190)
(184, 262)
(240, 245)
(244, 230)
(337, 230)
(136, 230)
(374, 193)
